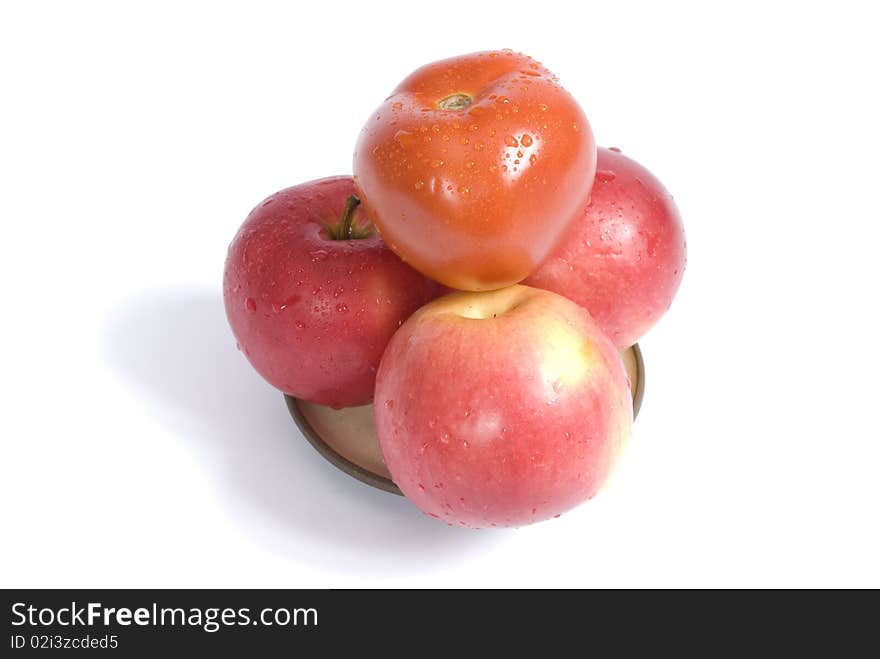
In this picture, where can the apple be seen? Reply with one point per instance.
(623, 260)
(501, 408)
(313, 294)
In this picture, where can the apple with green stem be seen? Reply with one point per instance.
(313, 295)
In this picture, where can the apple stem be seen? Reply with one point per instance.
(345, 230)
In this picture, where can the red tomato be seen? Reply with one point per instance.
(474, 167)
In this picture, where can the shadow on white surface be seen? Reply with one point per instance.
(178, 350)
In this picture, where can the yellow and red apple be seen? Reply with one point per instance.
(501, 408)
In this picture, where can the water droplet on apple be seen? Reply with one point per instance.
(342, 307)
(250, 304)
(389, 404)
(605, 175)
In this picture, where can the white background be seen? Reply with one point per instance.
(138, 447)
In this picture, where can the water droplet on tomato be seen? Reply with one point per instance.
(511, 141)
(405, 138)
(526, 140)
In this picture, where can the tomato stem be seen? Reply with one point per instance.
(455, 102)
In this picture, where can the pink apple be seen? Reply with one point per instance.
(501, 408)
(624, 259)
(313, 294)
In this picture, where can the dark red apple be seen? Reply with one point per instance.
(624, 259)
(313, 295)
(501, 408)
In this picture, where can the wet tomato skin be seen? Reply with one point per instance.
(474, 167)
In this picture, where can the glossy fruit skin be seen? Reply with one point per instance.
(476, 198)
(314, 315)
(505, 420)
(624, 258)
